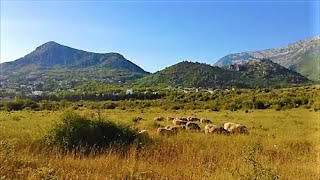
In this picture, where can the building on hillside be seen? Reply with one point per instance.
(37, 93)
(129, 91)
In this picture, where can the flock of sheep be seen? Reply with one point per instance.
(192, 124)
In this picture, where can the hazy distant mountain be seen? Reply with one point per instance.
(57, 63)
(260, 72)
(302, 56)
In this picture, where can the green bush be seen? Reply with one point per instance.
(31, 104)
(316, 106)
(77, 132)
(259, 105)
(109, 106)
(176, 107)
(278, 107)
(51, 106)
(18, 105)
(14, 106)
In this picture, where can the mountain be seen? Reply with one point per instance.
(190, 74)
(54, 55)
(55, 65)
(302, 56)
(264, 72)
(258, 72)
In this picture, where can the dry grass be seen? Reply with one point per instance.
(281, 143)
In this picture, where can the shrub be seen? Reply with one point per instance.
(77, 132)
(51, 106)
(14, 106)
(278, 107)
(259, 105)
(31, 104)
(316, 106)
(109, 106)
(231, 106)
(18, 105)
(176, 107)
(216, 108)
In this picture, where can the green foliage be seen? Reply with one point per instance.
(77, 131)
(234, 99)
(18, 105)
(14, 106)
(177, 107)
(259, 105)
(316, 106)
(109, 106)
(258, 73)
(51, 106)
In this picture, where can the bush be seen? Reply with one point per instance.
(109, 106)
(316, 106)
(259, 105)
(18, 105)
(77, 132)
(176, 107)
(51, 106)
(14, 106)
(278, 107)
(31, 104)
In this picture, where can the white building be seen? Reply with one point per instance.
(37, 93)
(129, 91)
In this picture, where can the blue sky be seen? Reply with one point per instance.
(156, 34)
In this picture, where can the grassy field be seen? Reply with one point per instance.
(283, 144)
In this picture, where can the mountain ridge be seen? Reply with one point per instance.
(53, 67)
(52, 54)
(291, 56)
(255, 73)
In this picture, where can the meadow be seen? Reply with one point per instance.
(281, 145)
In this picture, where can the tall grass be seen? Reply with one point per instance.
(281, 144)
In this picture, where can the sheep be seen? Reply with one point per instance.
(193, 126)
(208, 127)
(143, 132)
(170, 118)
(179, 122)
(165, 132)
(193, 119)
(175, 128)
(214, 129)
(205, 121)
(235, 128)
(182, 118)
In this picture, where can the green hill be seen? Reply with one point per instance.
(54, 63)
(261, 72)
